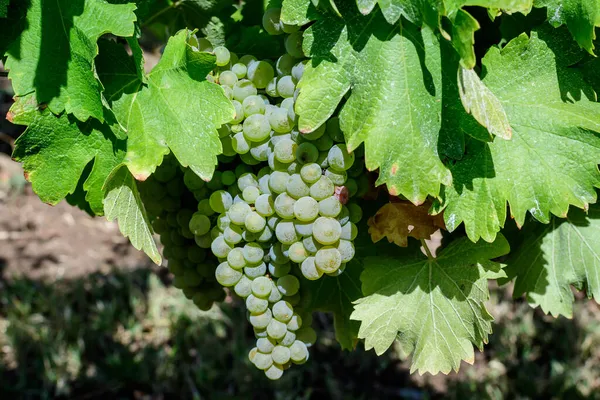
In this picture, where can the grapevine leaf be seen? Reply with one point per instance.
(336, 295)
(55, 151)
(398, 221)
(433, 307)
(580, 17)
(551, 161)
(555, 256)
(123, 203)
(298, 12)
(177, 109)
(394, 75)
(481, 102)
(3, 8)
(56, 53)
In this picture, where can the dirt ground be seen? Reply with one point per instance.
(41, 241)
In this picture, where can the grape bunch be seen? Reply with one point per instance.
(286, 213)
(171, 196)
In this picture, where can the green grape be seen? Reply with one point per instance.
(203, 241)
(226, 275)
(252, 354)
(296, 187)
(236, 259)
(288, 285)
(280, 121)
(338, 271)
(228, 178)
(275, 295)
(298, 69)
(215, 182)
(298, 352)
(276, 329)
(274, 372)
(280, 354)
(240, 144)
(271, 21)
(271, 90)
(330, 207)
(265, 235)
(160, 226)
(247, 59)
(261, 287)
(228, 151)
(287, 103)
(307, 153)
(328, 259)
(220, 201)
(191, 180)
(239, 70)
(260, 333)
(228, 90)
(311, 173)
(294, 323)
(283, 311)
(346, 249)
(349, 231)
(327, 230)
(352, 187)
(322, 189)
(265, 345)
(256, 270)
(196, 254)
(286, 232)
(293, 45)
(176, 267)
(253, 253)
(276, 136)
(237, 213)
(215, 232)
(333, 129)
(298, 253)
(264, 205)
(307, 335)
(285, 151)
(339, 159)
(260, 150)
(310, 270)
(306, 209)
(285, 87)
(284, 206)
(316, 134)
(175, 188)
(242, 89)
(262, 361)
(205, 45)
(244, 287)
(253, 105)
(247, 179)
(228, 78)
(303, 228)
(256, 305)
(278, 181)
(233, 234)
(223, 221)
(284, 65)
(279, 270)
(263, 184)
(250, 194)
(239, 112)
(355, 212)
(344, 216)
(322, 160)
(337, 178)
(260, 73)
(206, 270)
(257, 128)
(220, 247)
(255, 223)
(166, 172)
(277, 255)
(272, 221)
(222, 55)
(184, 216)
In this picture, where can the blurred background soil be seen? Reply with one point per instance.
(83, 315)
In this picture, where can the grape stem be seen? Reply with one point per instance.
(426, 248)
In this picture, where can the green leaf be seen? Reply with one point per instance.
(580, 16)
(123, 203)
(555, 256)
(298, 12)
(551, 161)
(433, 307)
(336, 295)
(3, 8)
(393, 74)
(178, 110)
(482, 104)
(55, 54)
(463, 37)
(55, 151)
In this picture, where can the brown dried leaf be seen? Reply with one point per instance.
(398, 221)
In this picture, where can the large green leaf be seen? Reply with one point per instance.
(55, 151)
(555, 256)
(54, 57)
(336, 295)
(580, 16)
(178, 110)
(393, 74)
(433, 307)
(123, 203)
(551, 160)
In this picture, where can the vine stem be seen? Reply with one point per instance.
(161, 12)
(424, 244)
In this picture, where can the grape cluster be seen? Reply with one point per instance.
(171, 195)
(285, 213)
